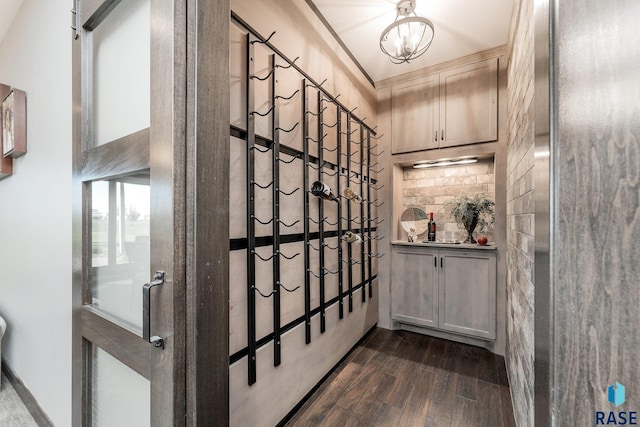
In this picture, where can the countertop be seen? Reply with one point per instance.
(465, 246)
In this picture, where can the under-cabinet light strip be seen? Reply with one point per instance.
(444, 163)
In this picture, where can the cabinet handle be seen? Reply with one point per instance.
(436, 138)
(442, 135)
(441, 263)
(435, 261)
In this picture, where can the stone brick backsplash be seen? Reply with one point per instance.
(520, 214)
(430, 189)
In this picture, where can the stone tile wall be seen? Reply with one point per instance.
(430, 189)
(520, 214)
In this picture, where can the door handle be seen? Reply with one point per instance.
(158, 279)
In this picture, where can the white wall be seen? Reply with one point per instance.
(9, 10)
(299, 33)
(35, 208)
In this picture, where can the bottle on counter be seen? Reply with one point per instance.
(322, 190)
(351, 237)
(431, 237)
(352, 195)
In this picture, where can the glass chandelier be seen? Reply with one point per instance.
(409, 36)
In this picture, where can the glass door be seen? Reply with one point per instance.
(128, 267)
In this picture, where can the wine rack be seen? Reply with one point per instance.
(335, 144)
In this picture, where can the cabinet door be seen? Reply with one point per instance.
(468, 293)
(414, 287)
(469, 104)
(414, 115)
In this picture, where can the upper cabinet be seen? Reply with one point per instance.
(455, 107)
(469, 104)
(415, 115)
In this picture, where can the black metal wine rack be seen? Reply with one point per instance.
(354, 165)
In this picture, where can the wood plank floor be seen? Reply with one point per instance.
(398, 378)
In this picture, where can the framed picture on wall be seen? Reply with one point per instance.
(13, 113)
(6, 163)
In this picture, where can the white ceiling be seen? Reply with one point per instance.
(8, 10)
(462, 27)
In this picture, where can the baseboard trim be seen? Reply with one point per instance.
(30, 402)
(478, 342)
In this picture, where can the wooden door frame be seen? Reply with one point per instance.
(192, 146)
(207, 219)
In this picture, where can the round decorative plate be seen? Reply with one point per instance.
(414, 221)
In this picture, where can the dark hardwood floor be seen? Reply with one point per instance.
(398, 378)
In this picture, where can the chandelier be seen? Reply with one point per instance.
(409, 36)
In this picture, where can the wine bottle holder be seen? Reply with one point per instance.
(347, 163)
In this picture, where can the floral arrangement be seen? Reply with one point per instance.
(473, 212)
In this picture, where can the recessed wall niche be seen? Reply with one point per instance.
(430, 189)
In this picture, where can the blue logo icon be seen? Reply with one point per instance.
(615, 394)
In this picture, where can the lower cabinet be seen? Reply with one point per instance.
(414, 291)
(452, 290)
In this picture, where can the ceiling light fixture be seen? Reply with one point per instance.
(409, 36)
(444, 163)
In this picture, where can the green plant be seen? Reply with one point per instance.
(472, 212)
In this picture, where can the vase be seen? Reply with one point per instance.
(470, 225)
